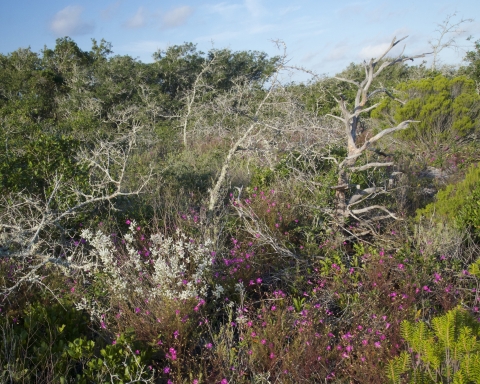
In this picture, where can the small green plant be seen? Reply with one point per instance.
(446, 352)
(117, 362)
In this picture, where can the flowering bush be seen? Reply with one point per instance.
(165, 267)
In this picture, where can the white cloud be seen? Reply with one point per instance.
(353, 9)
(339, 52)
(224, 9)
(111, 10)
(309, 56)
(138, 20)
(69, 22)
(290, 9)
(176, 17)
(254, 7)
(373, 51)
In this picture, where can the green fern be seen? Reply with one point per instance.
(398, 366)
(447, 352)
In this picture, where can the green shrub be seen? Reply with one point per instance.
(117, 362)
(36, 340)
(446, 352)
(458, 204)
(445, 107)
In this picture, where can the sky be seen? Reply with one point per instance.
(322, 36)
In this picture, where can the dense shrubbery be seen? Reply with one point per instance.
(175, 222)
(458, 204)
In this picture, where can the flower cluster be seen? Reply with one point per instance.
(171, 267)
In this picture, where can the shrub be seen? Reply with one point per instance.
(446, 352)
(458, 204)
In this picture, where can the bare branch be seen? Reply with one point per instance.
(372, 207)
(371, 165)
(347, 80)
(36, 230)
(336, 117)
(450, 31)
(403, 125)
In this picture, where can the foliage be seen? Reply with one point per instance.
(458, 204)
(110, 276)
(473, 60)
(35, 342)
(447, 352)
(448, 109)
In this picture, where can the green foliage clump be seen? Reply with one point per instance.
(458, 204)
(446, 352)
(52, 343)
(117, 362)
(473, 60)
(446, 108)
(36, 342)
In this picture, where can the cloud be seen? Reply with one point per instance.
(176, 17)
(290, 9)
(373, 51)
(138, 20)
(111, 10)
(309, 56)
(352, 9)
(254, 7)
(69, 22)
(339, 52)
(224, 9)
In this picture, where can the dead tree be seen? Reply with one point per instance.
(447, 33)
(262, 124)
(34, 230)
(350, 117)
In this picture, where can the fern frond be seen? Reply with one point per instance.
(397, 367)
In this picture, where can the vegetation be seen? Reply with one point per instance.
(196, 220)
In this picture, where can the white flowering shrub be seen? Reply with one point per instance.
(166, 267)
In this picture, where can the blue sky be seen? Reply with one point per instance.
(323, 36)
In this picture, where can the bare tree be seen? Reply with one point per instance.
(447, 33)
(34, 230)
(350, 117)
(261, 122)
